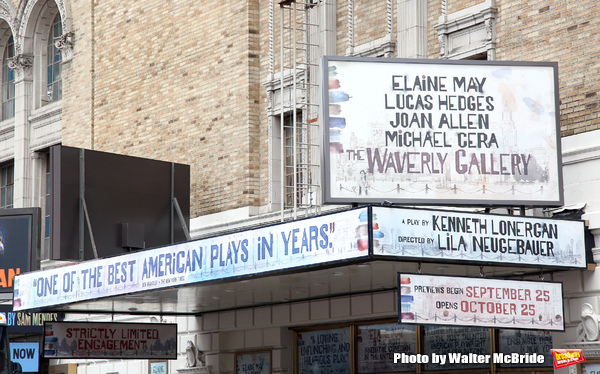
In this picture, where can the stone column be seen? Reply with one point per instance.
(412, 29)
(22, 66)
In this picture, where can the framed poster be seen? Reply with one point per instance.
(376, 345)
(590, 368)
(471, 301)
(158, 367)
(110, 340)
(525, 342)
(253, 362)
(324, 351)
(442, 341)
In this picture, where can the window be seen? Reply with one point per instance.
(469, 33)
(54, 61)
(6, 186)
(8, 82)
(293, 176)
(47, 190)
(376, 346)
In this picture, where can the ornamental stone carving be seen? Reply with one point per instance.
(588, 330)
(194, 356)
(64, 44)
(195, 361)
(22, 65)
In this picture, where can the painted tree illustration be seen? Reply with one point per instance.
(169, 345)
(63, 346)
(73, 347)
(157, 347)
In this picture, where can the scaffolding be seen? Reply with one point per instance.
(299, 112)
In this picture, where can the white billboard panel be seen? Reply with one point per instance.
(496, 303)
(318, 240)
(475, 237)
(441, 132)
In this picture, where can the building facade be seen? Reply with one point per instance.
(232, 89)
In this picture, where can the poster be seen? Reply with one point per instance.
(253, 363)
(485, 238)
(590, 368)
(324, 351)
(158, 367)
(441, 132)
(525, 342)
(17, 249)
(470, 301)
(446, 340)
(110, 340)
(376, 345)
(27, 354)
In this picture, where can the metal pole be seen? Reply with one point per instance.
(81, 198)
(294, 116)
(172, 215)
(281, 111)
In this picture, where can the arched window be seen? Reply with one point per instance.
(54, 87)
(8, 82)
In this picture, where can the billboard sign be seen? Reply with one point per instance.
(495, 303)
(319, 240)
(441, 132)
(486, 238)
(19, 244)
(27, 354)
(28, 323)
(110, 340)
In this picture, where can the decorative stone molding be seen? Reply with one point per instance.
(442, 41)
(276, 92)
(64, 44)
(198, 370)
(46, 126)
(596, 255)
(468, 32)
(382, 47)
(26, 9)
(22, 65)
(8, 14)
(590, 349)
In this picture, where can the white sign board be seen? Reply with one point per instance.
(487, 238)
(110, 340)
(496, 303)
(441, 132)
(324, 239)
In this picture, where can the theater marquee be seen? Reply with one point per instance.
(441, 132)
(496, 303)
(439, 235)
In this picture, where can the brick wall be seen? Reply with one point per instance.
(182, 81)
(77, 81)
(546, 31)
(563, 32)
(175, 81)
(370, 18)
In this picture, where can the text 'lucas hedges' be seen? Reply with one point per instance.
(470, 358)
